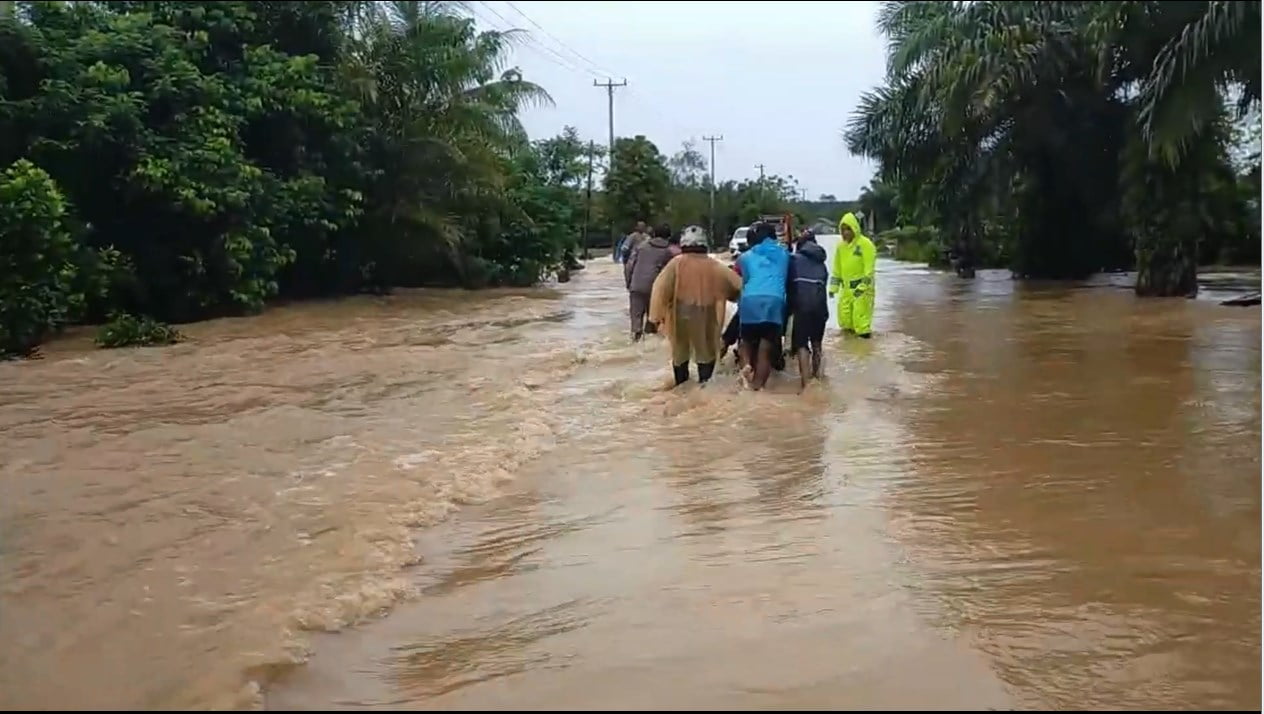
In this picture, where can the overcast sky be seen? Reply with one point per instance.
(777, 80)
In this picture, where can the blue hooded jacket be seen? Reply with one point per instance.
(764, 270)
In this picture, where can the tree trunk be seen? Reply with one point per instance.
(1163, 206)
(1167, 263)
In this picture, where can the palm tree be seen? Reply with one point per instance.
(444, 110)
(1184, 60)
(1024, 109)
(978, 96)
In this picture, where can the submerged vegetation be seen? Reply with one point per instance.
(1060, 139)
(174, 161)
(200, 158)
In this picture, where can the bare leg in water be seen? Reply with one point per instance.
(814, 355)
(763, 364)
(744, 356)
(803, 367)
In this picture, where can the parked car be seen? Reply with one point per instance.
(737, 243)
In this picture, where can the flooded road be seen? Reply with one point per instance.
(1014, 496)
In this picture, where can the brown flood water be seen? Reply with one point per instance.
(1015, 496)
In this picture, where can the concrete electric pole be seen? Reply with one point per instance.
(610, 85)
(711, 140)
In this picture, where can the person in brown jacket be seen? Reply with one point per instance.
(689, 300)
(644, 265)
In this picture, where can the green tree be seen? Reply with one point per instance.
(878, 201)
(638, 183)
(161, 122)
(212, 155)
(443, 116)
(564, 159)
(1018, 114)
(38, 260)
(564, 163)
(689, 203)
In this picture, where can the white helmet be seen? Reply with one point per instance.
(693, 236)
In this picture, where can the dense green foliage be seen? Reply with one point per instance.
(916, 244)
(124, 330)
(1065, 138)
(181, 160)
(38, 259)
(637, 184)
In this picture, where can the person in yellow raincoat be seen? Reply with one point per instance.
(852, 278)
(688, 302)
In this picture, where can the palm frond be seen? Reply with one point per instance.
(1180, 96)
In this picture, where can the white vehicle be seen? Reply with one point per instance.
(737, 243)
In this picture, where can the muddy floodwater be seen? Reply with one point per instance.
(1031, 496)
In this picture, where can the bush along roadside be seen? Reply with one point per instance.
(126, 330)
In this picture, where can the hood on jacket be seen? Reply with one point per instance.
(768, 245)
(657, 242)
(813, 250)
(849, 220)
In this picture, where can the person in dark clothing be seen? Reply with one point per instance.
(809, 305)
(644, 264)
(732, 333)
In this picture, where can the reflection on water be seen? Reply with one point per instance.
(1015, 495)
(1098, 467)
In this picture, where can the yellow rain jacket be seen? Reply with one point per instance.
(852, 278)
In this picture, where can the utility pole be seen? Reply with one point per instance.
(761, 172)
(588, 199)
(610, 85)
(711, 140)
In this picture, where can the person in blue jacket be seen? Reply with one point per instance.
(762, 306)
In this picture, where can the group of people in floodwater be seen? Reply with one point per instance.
(677, 289)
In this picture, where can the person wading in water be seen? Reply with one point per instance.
(855, 261)
(809, 305)
(763, 304)
(643, 266)
(689, 300)
(638, 235)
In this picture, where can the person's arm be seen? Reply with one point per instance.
(663, 294)
(835, 282)
(869, 254)
(733, 282)
(630, 267)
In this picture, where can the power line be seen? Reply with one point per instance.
(531, 44)
(567, 63)
(572, 50)
(669, 117)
